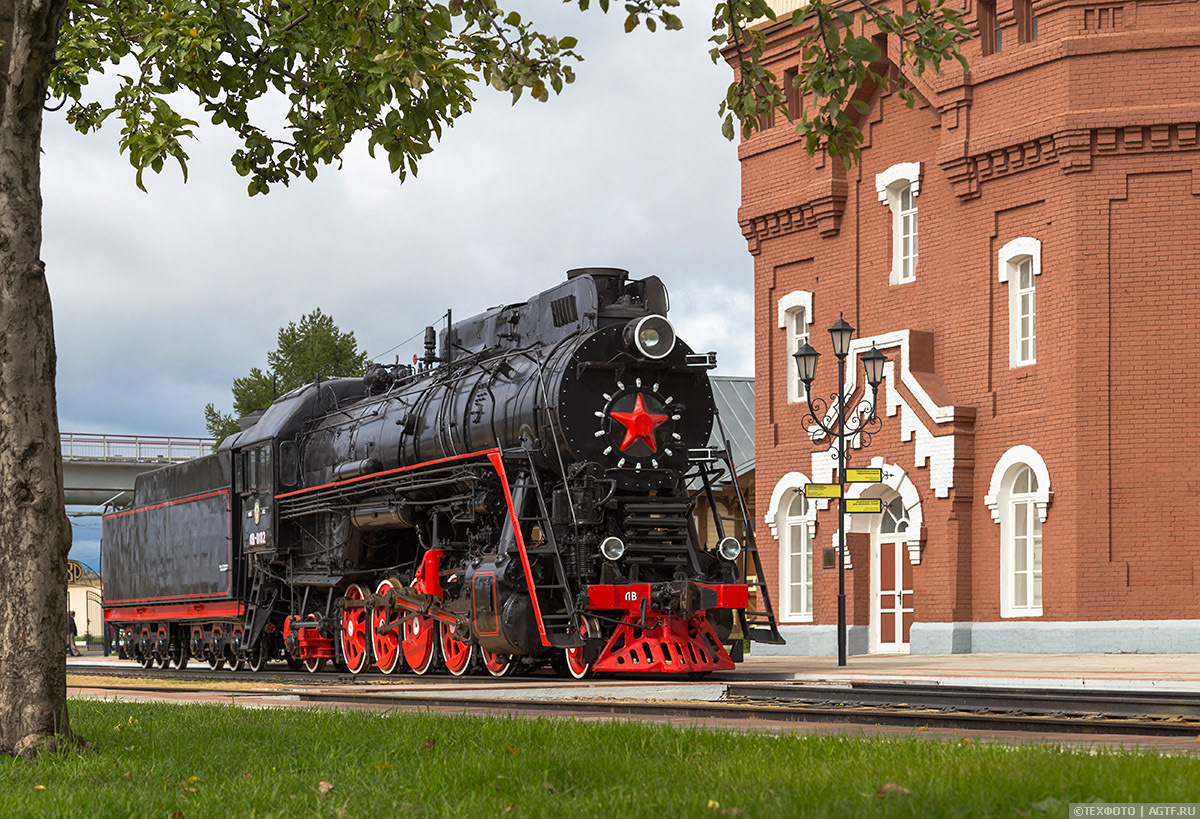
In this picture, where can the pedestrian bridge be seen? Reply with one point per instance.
(98, 470)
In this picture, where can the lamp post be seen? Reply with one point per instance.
(831, 419)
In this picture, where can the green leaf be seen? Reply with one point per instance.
(405, 72)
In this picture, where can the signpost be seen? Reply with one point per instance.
(861, 475)
(839, 421)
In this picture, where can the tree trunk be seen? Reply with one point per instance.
(34, 534)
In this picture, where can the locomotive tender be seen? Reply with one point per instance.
(522, 495)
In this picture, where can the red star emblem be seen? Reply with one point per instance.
(639, 425)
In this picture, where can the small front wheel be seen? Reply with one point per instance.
(574, 663)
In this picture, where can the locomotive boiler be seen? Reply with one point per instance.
(523, 494)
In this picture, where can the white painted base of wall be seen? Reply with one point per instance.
(814, 641)
(1035, 637)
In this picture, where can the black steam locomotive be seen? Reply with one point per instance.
(522, 495)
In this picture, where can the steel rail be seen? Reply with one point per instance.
(775, 712)
(1142, 704)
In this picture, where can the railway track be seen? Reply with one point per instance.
(1146, 705)
(1146, 714)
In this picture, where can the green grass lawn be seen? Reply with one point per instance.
(221, 761)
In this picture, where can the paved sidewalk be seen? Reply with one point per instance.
(1144, 672)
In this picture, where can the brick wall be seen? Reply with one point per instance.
(1087, 139)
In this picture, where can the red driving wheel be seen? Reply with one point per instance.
(458, 655)
(354, 632)
(386, 644)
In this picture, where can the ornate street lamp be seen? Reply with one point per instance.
(832, 419)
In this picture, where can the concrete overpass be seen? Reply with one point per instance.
(98, 470)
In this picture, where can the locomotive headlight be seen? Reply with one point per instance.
(729, 548)
(611, 548)
(650, 337)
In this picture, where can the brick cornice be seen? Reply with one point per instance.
(819, 205)
(1072, 146)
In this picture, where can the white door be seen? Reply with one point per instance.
(891, 581)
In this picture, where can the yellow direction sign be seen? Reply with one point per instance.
(864, 505)
(822, 490)
(74, 571)
(874, 475)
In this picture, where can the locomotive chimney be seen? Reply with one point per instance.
(610, 281)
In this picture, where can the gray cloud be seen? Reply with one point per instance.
(161, 299)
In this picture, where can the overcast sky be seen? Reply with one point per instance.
(162, 299)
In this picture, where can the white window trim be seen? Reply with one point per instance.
(1023, 500)
(790, 306)
(1010, 256)
(998, 501)
(888, 186)
(776, 518)
(793, 610)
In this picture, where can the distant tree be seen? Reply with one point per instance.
(316, 347)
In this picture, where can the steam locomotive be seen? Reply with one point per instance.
(522, 495)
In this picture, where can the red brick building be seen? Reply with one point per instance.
(1024, 245)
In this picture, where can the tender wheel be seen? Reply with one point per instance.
(573, 658)
(164, 661)
(386, 645)
(145, 660)
(235, 661)
(498, 665)
(355, 639)
(458, 655)
(419, 642)
(215, 662)
(256, 661)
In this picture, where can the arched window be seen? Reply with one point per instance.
(898, 188)
(895, 519)
(1020, 265)
(1019, 497)
(1025, 576)
(906, 219)
(795, 316)
(798, 558)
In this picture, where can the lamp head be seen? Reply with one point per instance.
(840, 332)
(806, 363)
(873, 362)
